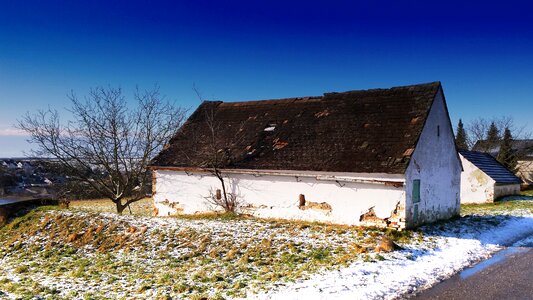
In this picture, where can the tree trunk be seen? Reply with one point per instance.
(226, 202)
(120, 207)
(224, 191)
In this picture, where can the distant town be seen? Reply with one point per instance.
(28, 176)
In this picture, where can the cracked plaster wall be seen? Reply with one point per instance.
(276, 196)
(476, 186)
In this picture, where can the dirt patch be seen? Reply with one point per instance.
(387, 245)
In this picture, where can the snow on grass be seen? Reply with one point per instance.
(457, 244)
(66, 254)
(413, 269)
(513, 206)
(132, 257)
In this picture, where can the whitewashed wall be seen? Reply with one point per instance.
(476, 186)
(436, 164)
(278, 196)
(506, 190)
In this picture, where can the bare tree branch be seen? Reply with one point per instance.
(218, 155)
(108, 136)
(477, 129)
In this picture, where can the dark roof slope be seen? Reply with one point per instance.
(367, 131)
(490, 166)
(524, 148)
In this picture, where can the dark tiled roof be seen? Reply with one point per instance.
(524, 148)
(367, 131)
(490, 166)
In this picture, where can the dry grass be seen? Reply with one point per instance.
(66, 254)
(142, 207)
(512, 207)
(90, 252)
(527, 193)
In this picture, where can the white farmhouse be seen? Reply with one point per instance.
(382, 157)
(484, 179)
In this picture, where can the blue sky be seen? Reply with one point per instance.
(482, 52)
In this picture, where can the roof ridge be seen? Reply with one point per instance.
(399, 87)
(307, 98)
(471, 151)
(514, 140)
(270, 101)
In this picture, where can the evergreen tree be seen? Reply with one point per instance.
(461, 137)
(506, 156)
(493, 136)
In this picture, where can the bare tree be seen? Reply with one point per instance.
(478, 129)
(109, 142)
(218, 154)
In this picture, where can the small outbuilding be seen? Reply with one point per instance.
(381, 157)
(523, 149)
(484, 179)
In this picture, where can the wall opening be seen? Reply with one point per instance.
(416, 191)
(301, 201)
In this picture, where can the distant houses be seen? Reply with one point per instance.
(27, 176)
(484, 179)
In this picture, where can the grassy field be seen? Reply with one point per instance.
(512, 205)
(142, 207)
(88, 251)
(80, 254)
(527, 193)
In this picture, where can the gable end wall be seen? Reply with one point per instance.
(436, 164)
(476, 186)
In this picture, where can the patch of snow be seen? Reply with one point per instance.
(440, 251)
(397, 276)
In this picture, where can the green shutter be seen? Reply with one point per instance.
(416, 190)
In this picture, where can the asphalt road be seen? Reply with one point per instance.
(507, 275)
(15, 200)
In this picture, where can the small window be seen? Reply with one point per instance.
(438, 130)
(270, 127)
(416, 190)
